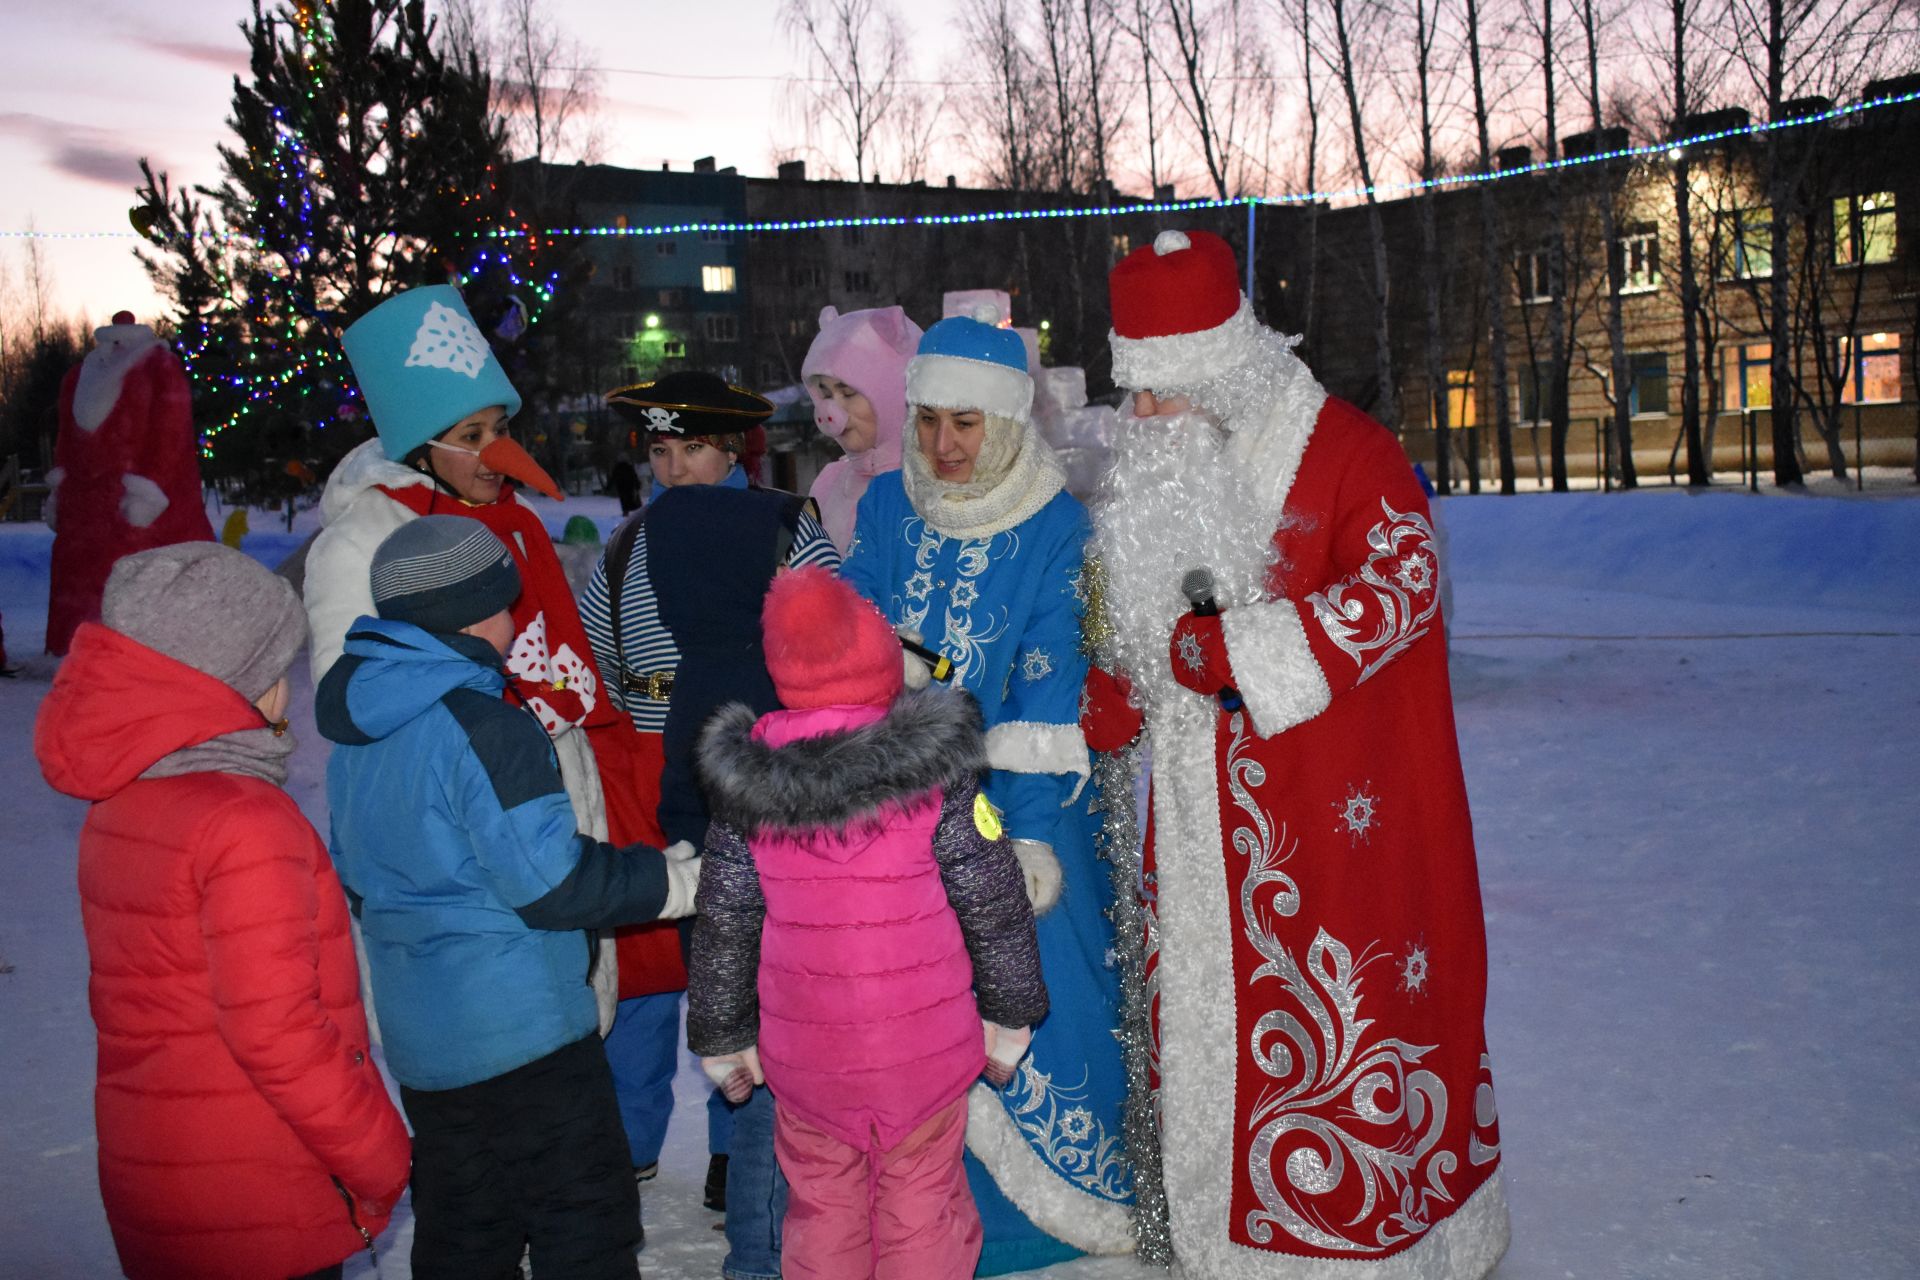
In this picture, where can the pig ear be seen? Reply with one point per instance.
(828, 314)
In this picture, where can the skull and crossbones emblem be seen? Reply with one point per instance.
(659, 419)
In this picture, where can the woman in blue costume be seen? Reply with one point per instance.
(974, 548)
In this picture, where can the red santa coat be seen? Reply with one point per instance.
(1313, 859)
(234, 1082)
(126, 471)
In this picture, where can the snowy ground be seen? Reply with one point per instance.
(1690, 726)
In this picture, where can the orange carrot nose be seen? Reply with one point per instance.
(509, 459)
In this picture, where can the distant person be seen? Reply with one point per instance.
(243, 1130)
(625, 479)
(476, 893)
(864, 945)
(856, 372)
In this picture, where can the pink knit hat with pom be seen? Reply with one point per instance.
(826, 645)
(867, 350)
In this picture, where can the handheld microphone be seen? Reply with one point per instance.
(1197, 587)
(939, 663)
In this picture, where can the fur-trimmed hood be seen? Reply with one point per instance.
(847, 779)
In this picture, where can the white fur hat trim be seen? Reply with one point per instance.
(955, 382)
(1184, 359)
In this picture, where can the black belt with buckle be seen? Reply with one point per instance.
(655, 686)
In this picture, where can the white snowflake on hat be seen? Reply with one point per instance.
(448, 340)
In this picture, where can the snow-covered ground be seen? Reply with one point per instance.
(1690, 725)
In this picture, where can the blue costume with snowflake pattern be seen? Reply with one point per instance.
(1045, 1156)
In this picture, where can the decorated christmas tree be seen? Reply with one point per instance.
(366, 159)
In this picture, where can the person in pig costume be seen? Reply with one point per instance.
(856, 372)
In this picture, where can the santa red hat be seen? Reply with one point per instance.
(826, 645)
(1179, 318)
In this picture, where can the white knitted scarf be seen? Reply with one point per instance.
(1005, 491)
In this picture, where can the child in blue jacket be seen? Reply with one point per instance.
(476, 893)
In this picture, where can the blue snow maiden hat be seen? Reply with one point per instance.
(423, 365)
(969, 362)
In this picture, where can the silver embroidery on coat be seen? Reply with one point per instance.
(1387, 605)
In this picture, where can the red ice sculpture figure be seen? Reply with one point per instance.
(126, 472)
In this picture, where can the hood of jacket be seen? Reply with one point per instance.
(365, 467)
(391, 673)
(834, 767)
(117, 708)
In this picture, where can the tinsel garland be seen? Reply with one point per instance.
(1119, 843)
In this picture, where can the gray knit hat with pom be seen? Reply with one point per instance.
(442, 573)
(215, 609)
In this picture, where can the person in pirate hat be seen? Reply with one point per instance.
(673, 613)
(1320, 616)
(441, 406)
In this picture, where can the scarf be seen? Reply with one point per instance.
(1016, 474)
(257, 753)
(550, 664)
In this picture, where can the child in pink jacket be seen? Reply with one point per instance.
(864, 941)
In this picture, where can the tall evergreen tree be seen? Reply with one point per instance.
(365, 160)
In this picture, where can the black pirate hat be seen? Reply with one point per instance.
(690, 402)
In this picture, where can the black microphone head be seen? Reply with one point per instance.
(1197, 585)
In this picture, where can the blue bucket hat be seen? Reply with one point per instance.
(966, 362)
(423, 365)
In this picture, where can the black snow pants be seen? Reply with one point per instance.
(536, 1156)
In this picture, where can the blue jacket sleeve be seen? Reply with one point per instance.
(867, 564)
(525, 839)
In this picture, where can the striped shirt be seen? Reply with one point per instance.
(645, 642)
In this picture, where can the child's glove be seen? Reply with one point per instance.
(1108, 717)
(1041, 870)
(1197, 653)
(918, 675)
(683, 879)
(1005, 1047)
(735, 1074)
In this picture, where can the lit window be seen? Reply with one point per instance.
(716, 279)
(1863, 229)
(1746, 244)
(1639, 261)
(1871, 368)
(1747, 378)
(1647, 383)
(1461, 408)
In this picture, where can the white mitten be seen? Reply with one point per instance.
(1005, 1047)
(918, 674)
(49, 510)
(1042, 873)
(142, 502)
(683, 880)
(735, 1074)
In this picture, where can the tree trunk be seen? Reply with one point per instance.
(1387, 400)
(1490, 252)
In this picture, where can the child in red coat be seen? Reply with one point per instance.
(243, 1130)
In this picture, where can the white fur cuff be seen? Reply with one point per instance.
(1273, 665)
(954, 382)
(1185, 359)
(143, 502)
(1027, 746)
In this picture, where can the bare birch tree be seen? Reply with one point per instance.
(1348, 18)
(856, 59)
(1492, 252)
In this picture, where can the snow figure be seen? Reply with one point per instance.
(126, 472)
(976, 545)
(856, 372)
(1318, 948)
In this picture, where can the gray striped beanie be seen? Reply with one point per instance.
(442, 573)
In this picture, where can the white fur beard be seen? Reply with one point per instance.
(1172, 502)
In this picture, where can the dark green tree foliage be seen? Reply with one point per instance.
(363, 163)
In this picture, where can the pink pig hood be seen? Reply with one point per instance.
(867, 350)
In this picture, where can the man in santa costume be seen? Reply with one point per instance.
(126, 473)
(1319, 955)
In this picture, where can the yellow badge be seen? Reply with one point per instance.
(986, 819)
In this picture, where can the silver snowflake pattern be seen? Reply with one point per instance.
(1359, 814)
(920, 586)
(1036, 664)
(1077, 1125)
(965, 594)
(1191, 653)
(1415, 572)
(1414, 970)
(1078, 584)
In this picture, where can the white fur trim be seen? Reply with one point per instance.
(1027, 746)
(1170, 242)
(1050, 1202)
(1268, 452)
(1273, 665)
(1182, 359)
(955, 382)
(117, 349)
(1041, 870)
(143, 502)
(55, 476)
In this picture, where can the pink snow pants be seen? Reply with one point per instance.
(902, 1214)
